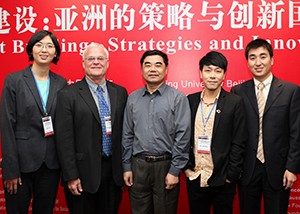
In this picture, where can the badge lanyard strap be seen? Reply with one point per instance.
(42, 100)
(208, 116)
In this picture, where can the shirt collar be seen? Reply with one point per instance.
(95, 86)
(160, 90)
(203, 92)
(266, 82)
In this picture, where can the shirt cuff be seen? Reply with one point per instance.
(174, 171)
(126, 167)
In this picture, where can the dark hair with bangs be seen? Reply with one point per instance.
(257, 43)
(38, 36)
(214, 58)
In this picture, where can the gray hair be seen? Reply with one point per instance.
(95, 44)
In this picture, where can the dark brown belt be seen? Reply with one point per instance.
(152, 157)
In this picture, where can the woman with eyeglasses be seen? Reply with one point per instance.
(30, 167)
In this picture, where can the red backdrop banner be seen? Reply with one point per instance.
(185, 30)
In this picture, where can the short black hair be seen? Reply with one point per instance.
(38, 36)
(257, 43)
(214, 58)
(154, 52)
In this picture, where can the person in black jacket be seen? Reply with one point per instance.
(269, 172)
(88, 142)
(30, 167)
(217, 141)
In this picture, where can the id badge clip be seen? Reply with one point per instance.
(108, 128)
(204, 143)
(48, 126)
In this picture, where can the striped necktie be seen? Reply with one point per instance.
(261, 107)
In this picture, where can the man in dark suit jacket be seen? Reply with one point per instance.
(273, 173)
(217, 141)
(93, 179)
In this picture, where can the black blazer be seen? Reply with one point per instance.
(79, 134)
(281, 130)
(228, 137)
(24, 147)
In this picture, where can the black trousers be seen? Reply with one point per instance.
(41, 186)
(106, 200)
(250, 196)
(203, 199)
(148, 194)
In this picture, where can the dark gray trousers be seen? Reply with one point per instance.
(148, 194)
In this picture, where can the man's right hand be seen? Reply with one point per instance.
(75, 186)
(11, 185)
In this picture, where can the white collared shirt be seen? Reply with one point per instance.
(267, 87)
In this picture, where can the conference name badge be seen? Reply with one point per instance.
(204, 142)
(107, 120)
(48, 126)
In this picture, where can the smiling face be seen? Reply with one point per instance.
(212, 77)
(154, 70)
(43, 51)
(95, 63)
(259, 63)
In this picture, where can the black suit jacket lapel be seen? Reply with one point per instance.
(250, 93)
(113, 100)
(52, 91)
(85, 93)
(219, 109)
(30, 81)
(275, 90)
